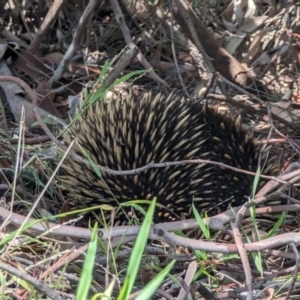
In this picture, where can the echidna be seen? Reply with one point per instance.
(126, 134)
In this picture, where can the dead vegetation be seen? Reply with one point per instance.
(243, 55)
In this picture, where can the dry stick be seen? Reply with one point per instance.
(50, 229)
(261, 199)
(156, 233)
(79, 33)
(260, 196)
(32, 141)
(183, 7)
(51, 15)
(292, 171)
(176, 163)
(272, 242)
(126, 34)
(39, 285)
(245, 261)
(174, 52)
(277, 274)
(180, 37)
(215, 223)
(20, 191)
(121, 65)
(71, 256)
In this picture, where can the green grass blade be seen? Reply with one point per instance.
(256, 181)
(128, 76)
(154, 283)
(201, 224)
(107, 294)
(137, 253)
(88, 267)
(276, 226)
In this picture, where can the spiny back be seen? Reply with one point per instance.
(126, 134)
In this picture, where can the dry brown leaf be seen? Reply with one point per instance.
(256, 46)
(46, 97)
(32, 66)
(16, 101)
(54, 59)
(247, 28)
(146, 276)
(190, 272)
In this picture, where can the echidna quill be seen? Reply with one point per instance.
(126, 134)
